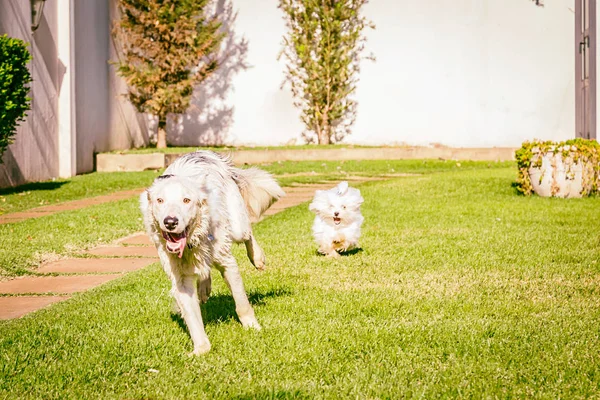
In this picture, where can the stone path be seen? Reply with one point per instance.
(105, 263)
(67, 206)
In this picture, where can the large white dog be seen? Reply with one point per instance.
(194, 212)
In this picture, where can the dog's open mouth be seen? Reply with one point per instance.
(175, 241)
(337, 220)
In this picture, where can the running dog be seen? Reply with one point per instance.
(337, 223)
(193, 213)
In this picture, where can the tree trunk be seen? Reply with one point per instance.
(324, 137)
(161, 138)
(323, 133)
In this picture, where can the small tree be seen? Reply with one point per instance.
(323, 48)
(14, 78)
(168, 47)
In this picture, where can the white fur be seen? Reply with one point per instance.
(213, 202)
(342, 236)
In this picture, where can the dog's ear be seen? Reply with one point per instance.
(202, 202)
(144, 199)
(342, 188)
(359, 198)
(201, 179)
(314, 205)
(355, 197)
(202, 197)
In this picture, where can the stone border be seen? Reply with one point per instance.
(139, 162)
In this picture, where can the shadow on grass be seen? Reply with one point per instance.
(221, 308)
(268, 394)
(516, 189)
(29, 187)
(352, 252)
(344, 253)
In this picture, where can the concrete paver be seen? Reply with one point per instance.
(138, 239)
(21, 216)
(124, 251)
(95, 265)
(54, 284)
(68, 206)
(17, 306)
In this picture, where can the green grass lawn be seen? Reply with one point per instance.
(462, 289)
(25, 244)
(291, 172)
(39, 194)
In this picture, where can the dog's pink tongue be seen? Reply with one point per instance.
(177, 246)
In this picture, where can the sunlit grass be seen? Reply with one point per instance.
(461, 289)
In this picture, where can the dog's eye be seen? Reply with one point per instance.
(344, 207)
(186, 200)
(159, 200)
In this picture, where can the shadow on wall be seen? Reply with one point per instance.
(34, 154)
(209, 117)
(128, 128)
(10, 172)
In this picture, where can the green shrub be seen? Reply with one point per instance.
(167, 49)
(14, 78)
(323, 49)
(574, 151)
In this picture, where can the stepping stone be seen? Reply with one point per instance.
(139, 239)
(20, 216)
(292, 195)
(124, 251)
(17, 306)
(96, 265)
(68, 206)
(54, 284)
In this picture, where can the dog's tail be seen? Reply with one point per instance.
(259, 190)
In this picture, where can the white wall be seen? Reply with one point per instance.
(242, 102)
(105, 119)
(474, 73)
(34, 154)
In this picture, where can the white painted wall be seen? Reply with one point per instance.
(474, 73)
(34, 155)
(105, 118)
(78, 106)
(456, 72)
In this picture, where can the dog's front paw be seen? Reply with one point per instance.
(204, 289)
(250, 323)
(333, 254)
(260, 263)
(203, 348)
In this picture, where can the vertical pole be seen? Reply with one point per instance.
(66, 95)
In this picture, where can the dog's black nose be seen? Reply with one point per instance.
(336, 213)
(171, 222)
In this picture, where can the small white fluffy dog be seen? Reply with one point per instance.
(193, 213)
(337, 225)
